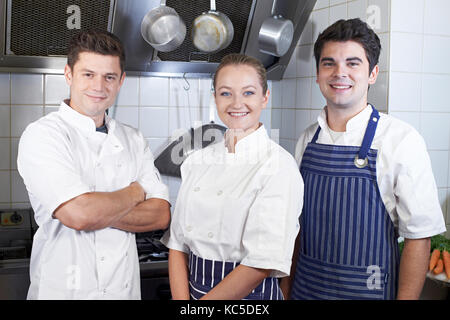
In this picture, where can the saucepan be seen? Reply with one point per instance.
(212, 31)
(276, 34)
(163, 28)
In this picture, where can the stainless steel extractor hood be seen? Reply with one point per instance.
(34, 34)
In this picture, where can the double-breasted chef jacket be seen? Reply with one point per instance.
(239, 207)
(62, 156)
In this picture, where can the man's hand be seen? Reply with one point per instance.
(138, 192)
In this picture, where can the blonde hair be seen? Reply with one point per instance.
(242, 59)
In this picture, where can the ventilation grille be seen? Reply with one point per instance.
(40, 27)
(237, 10)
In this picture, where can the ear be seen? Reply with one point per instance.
(68, 75)
(266, 99)
(317, 74)
(374, 74)
(122, 79)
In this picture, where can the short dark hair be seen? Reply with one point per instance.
(242, 59)
(346, 30)
(97, 41)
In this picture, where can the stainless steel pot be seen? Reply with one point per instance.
(276, 34)
(163, 28)
(212, 31)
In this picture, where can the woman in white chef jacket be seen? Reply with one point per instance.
(236, 218)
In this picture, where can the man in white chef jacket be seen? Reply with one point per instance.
(91, 182)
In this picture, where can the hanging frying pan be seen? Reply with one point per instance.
(170, 159)
(163, 28)
(212, 31)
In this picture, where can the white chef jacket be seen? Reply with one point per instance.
(239, 207)
(404, 174)
(61, 156)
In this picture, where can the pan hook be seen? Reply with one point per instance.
(187, 86)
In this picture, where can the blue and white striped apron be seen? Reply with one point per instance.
(205, 274)
(348, 244)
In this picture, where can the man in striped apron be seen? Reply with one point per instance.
(347, 247)
(348, 244)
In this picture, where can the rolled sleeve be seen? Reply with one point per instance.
(273, 221)
(174, 238)
(45, 163)
(418, 208)
(149, 177)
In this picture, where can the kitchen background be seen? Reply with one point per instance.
(412, 84)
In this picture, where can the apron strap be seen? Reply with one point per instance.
(316, 135)
(370, 134)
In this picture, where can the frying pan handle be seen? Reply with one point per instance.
(274, 7)
(213, 5)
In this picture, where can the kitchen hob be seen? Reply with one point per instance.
(153, 255)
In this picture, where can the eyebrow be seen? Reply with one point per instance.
(227, 87)
(348, 59)
(107, 74)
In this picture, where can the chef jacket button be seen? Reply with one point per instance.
(220, 192)
(102, 258)
(197, 189)
(119, 165)
(99, 164)
(188, 228)
(104, 291)
(210, 235)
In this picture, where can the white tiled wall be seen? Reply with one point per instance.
(413, 81)
(159, 107)
(420, 78)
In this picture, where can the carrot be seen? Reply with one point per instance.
(446, 258)
(439, 267)
(434, 258)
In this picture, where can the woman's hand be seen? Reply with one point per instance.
(238, 284)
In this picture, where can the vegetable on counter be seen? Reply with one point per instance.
(439, 267)
(440, 257)
(446, 258)
(434, 259)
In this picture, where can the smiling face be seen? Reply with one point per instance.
(94, 84)
(239, 97)
(343, 75)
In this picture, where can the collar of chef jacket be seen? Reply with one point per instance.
(355, 127)
(87, 127)
(253, 142)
